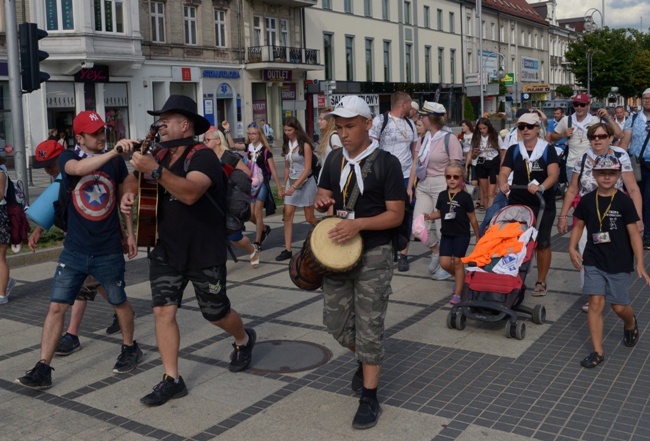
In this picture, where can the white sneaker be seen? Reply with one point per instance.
(435, 263)
(441, 274)
(4, 299)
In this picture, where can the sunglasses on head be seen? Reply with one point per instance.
(526, 126)
(454, 177)
(579, 105)
(602, 137)
(253, 125)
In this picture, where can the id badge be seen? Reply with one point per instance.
(345, 214)
(602, 237)
(450, 215)
(534, 182)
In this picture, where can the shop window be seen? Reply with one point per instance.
(116, 105)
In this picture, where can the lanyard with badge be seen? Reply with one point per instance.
(602, 236)
(348, 211)
(452, 213)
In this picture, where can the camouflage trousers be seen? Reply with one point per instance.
(355, 304)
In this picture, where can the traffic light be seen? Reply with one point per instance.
(30, 57)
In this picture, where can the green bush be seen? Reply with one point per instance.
(468, 110)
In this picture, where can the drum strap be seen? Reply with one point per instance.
(364, 173)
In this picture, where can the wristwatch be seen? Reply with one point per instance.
(157, 173)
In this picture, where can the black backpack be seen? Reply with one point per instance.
(238, 192)
(384, 123)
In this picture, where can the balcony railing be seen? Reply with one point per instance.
(282, 54)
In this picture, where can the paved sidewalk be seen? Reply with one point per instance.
(437, 383)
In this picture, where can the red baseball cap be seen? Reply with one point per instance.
(87, 122)
(46, 153)
(582, 98)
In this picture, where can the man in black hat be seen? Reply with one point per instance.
(191, 243)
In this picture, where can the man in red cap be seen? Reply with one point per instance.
(93, 245)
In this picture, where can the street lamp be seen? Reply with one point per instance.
(481, 61)
(590, 14)
(590, 61)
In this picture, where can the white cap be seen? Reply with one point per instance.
(415, 105)
(647, 91)
(430, 107)
(351, 106)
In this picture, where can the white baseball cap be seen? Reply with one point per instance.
(351, 106)
(646, 92)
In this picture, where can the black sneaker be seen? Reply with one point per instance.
(367, 414)
(357, 379)
(115, 326)
(284, 255)
(128, 359)
(241, 357)
(68, 344)
(265, 234)
(38, 378)
(402, 263)
(164, 391)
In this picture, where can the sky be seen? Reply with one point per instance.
(618, 13)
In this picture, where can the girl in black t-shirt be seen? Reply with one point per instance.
(455, 208)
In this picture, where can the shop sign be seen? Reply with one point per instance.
(276, 75)
(185, 74)
(229, 74)
(372, 100)
(537, 88)
(322, 102)
(288, 91)
(259, 109)
(224, 91)
(96, 74)
(509, 79)
(529, 69)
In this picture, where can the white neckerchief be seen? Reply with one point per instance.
(81, 154)
(581, 125)
(428, 141)
(355, 163)
(293, 145)
(537, 152)
(255, 151)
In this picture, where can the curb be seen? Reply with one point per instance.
(29, 258)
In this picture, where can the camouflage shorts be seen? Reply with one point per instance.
(355, 304)
(89, 289)
(167, 286)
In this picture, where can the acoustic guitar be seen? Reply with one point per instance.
(147, 231)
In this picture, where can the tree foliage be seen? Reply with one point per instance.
(564, 90)
(468, 110)
(619, 59)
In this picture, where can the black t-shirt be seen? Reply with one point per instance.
(389, 186)
(617, 255)
(192, 236)
(461, 204)
(538, 171)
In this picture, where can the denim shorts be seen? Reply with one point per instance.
(73, 268)
(263, 193)
(615, 287)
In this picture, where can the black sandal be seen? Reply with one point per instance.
(631, 337)
(592, 360)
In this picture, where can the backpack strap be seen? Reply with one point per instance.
(447, 144)
(364, 173)
(384, 122)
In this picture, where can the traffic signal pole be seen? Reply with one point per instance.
(15, 94)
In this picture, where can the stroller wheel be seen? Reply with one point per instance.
(510, 330)
(460, 320)
(520, 330)
(539, 314)
(451, 321)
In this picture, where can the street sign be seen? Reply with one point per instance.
(509, 79)
(525, 96)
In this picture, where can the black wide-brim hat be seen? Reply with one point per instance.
(187, 107)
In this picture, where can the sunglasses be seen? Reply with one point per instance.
(454, 177)
(602, 137)
(253, 125)
(522, 127)
(579, 105)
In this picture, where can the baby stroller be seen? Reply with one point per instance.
(492, 297)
